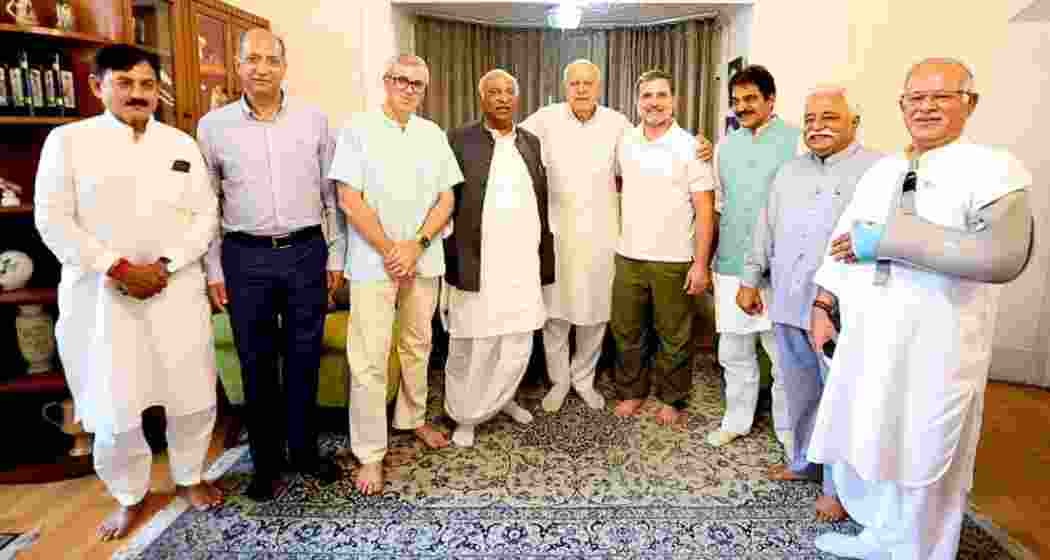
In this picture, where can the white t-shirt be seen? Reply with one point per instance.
(659, 179)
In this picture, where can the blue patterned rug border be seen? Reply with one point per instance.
(163, 519)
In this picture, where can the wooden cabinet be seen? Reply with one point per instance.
(215, 29)
(194, 43)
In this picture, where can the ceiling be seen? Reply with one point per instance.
(608, 13)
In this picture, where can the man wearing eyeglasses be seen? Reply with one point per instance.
(268, 156)
(395, 173)
(908, 269)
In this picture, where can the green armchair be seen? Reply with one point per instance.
(334, 381)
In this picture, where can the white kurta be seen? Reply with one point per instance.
(905, 392)
(100, 196)
(580, 160)
(491, 330)
(510, 300)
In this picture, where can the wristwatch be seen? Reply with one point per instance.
(423, 240)
(169, 267)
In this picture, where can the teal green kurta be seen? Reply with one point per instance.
(746, 167)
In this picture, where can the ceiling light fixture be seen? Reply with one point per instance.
(566, 15)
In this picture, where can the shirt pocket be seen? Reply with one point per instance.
(167, 201)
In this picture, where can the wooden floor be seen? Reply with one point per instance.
(1012, 485)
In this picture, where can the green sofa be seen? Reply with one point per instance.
(334, 382)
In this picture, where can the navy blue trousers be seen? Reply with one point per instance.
(262, 284)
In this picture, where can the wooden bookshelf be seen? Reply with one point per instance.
(49, 382)
(29, 296)
(68, 37)
(34, 121)
(22, 209)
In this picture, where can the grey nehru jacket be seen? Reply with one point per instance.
(270, 176)
(791, 235)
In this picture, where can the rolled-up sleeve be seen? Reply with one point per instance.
(334, 219)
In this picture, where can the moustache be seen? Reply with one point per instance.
(821, 132)
(137, 103)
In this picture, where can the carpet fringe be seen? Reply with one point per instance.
(165, 517)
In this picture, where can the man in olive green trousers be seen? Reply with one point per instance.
(663, 253)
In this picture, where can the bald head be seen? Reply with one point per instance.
(261, 65)
(938, 100)
(260, 35)
(831, 122)
(496, 73)
(583, 84)
(499, 99)
(582, 67)
(951, 67)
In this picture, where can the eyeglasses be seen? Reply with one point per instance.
(940, 98)
(404, 83)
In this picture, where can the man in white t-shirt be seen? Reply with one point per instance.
(663, 252)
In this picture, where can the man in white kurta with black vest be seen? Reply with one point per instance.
(901, 413)
(500, 252)
(125, 204)
(579, 147)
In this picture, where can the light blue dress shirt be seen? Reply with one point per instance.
(271, 176)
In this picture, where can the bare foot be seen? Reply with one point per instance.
(782, 472)
(118, 523)
(431, 437)
(628, 407)
(669, 415)
(202, 496)
(370, 478)
(830, 509)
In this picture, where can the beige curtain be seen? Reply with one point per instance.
(687, 51)
(459, 53)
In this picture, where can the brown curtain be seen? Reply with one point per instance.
(459, 53)
(687, 51)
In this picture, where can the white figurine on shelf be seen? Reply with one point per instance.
(9, 199)
(15, 270)
(22, 11)
(9, 194)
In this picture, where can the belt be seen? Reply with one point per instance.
(275, 241)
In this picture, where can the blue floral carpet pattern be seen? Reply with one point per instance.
(579, 484)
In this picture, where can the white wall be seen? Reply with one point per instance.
(337, 48)
(869, 46)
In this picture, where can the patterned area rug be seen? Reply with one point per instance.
(577, 484)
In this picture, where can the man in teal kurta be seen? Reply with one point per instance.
(746, 162)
